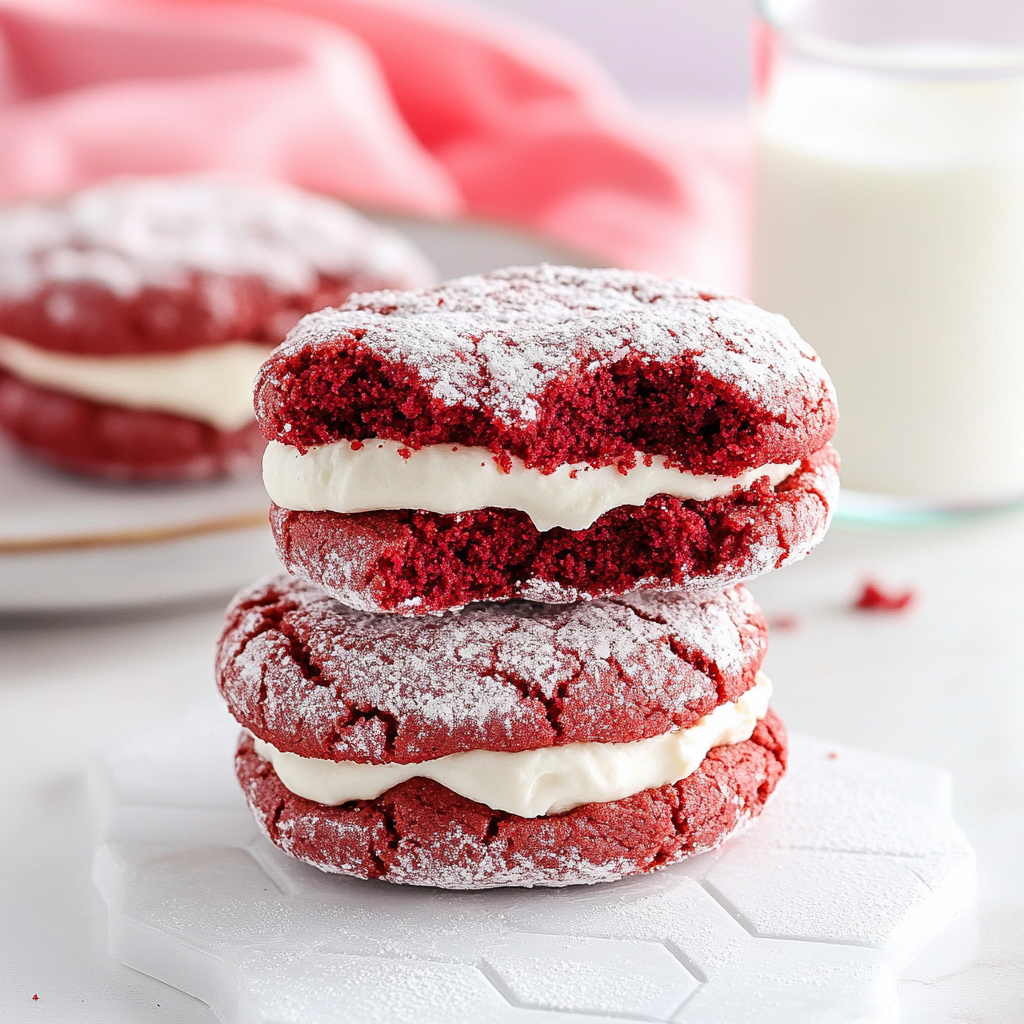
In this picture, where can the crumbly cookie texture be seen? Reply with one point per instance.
(317, 678)
(420, 833)
(555, 365)
(162, 264)
(415, 563)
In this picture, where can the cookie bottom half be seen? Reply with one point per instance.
(421, 833)
(118, 443)
(413, 562)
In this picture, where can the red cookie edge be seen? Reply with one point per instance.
(118, 443)
(420, 833)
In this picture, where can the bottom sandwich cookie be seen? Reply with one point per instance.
(516, 744)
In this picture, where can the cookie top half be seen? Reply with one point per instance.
(314, 677)
(554, 365)
(162, 264)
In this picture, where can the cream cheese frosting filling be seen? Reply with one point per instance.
(212, 385)
(533, 783)
(449, 479)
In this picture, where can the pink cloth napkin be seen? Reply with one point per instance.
(396, 104)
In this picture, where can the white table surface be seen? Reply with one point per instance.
(943, 683)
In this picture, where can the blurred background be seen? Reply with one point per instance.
(662, 54)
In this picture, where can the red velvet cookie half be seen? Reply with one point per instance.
(509, 744)
(546, 433)
(135, 314)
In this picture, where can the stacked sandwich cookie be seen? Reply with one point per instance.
(515, 648)
(135, 314)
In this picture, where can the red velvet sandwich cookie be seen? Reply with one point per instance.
(508, 744)
(135, 314)
(546, 433)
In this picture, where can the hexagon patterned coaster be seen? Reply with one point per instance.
(810, 915)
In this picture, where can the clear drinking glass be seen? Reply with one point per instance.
(890, 229)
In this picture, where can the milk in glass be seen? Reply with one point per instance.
(890, 230)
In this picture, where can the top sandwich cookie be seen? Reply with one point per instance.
(135, 314)
(549, 433)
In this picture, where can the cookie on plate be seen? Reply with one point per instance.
(545, 433)
(507, 744)
(135, 314)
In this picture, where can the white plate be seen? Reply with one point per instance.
(70, 543)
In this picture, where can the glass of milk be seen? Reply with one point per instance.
(890, 229)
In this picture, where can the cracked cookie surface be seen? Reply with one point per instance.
(319, 679)
(420, 833)
(135, 266)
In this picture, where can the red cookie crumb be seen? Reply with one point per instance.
(873, 598)
(421, 833)
(414, 563)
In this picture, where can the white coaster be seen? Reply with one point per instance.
(809, 916)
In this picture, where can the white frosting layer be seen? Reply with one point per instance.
(213, 385)
(448, 479)
(532, 783)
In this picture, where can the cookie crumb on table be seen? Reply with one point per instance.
(873, 598)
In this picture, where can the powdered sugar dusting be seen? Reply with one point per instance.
(461, 861)
(298, 944)
(127, 234)
(455, 859)
(320, 679)
(496, 341)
